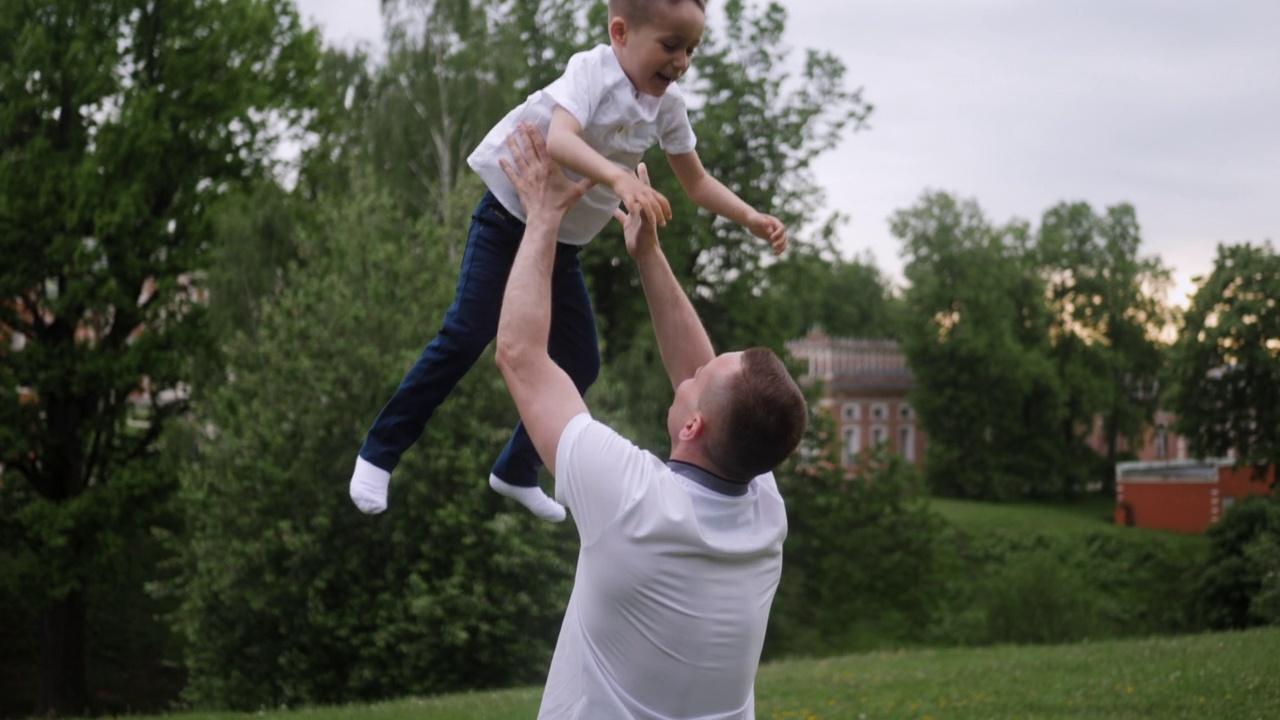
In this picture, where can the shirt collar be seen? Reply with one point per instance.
(708, 479)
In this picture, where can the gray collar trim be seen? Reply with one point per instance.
(707, 479)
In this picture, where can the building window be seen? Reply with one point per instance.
(879, 434)
(905, 412)
(906, 443)
(851, 411)
(880, 411)
(1162, 442)
(852, 446)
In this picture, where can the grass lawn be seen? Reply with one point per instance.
(1083, 516)
(1232, 676)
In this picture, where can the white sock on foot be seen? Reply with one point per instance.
(369, 486)
(531, 497)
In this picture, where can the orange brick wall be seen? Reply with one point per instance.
(1238, 483)
(1183, 507)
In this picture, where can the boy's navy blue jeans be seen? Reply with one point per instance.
(470, 324)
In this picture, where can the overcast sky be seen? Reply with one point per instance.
(1171, 105)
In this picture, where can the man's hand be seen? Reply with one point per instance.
(639, 232)
(641, 199)
(541, 184)
(769, 229)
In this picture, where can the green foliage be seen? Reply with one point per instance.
(986, 388)
(844, 298)
(121, 123)
(1019, 340)
(1238, 584)
(1107, 318)
(1066, 582)
(1264, 555)
(289, 595)
(1225, 365)
(859, 560)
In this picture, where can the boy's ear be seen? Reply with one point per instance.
(618, 30)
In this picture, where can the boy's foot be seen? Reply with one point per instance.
(369, 486)
(531, 497)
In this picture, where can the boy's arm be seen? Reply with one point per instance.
(711, 194)
(566, 147)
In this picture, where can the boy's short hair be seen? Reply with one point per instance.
(761, 416)
(639, 12)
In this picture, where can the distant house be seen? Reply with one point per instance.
(866, 383)
(865, 387)
(1183, 495)
(1159, 441)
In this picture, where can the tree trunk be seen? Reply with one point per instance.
(1113, 448)
(63, 690)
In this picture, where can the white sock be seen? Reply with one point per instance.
(531, 497)
(369, 486)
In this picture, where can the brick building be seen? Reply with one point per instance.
(865, 383)
(1183, 495)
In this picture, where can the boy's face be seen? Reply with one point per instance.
(656, 53)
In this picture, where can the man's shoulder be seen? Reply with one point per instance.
(586, 434)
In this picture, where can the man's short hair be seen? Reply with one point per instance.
(758, 417)
(639, 12)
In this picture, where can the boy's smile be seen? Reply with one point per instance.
(657, 53)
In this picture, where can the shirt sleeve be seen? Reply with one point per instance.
(599, 474)
(579, 89)
(676, 135)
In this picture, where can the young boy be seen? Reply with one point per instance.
(612, 104)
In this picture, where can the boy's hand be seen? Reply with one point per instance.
(640, 199)
(769, 229)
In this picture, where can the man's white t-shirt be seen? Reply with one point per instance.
(673, 587)
(617, 121)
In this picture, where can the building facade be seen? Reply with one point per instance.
(865, 390)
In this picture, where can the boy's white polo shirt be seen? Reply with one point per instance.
(618, 122)
(673, 587)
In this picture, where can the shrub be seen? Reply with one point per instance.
(1242, 566)
(858, 560)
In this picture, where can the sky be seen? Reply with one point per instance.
(1170, 105)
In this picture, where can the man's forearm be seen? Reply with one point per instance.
(525, 322)
(682, 339)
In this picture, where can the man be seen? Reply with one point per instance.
(679, 560)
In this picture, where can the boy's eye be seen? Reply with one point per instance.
(670, 47)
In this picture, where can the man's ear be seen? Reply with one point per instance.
(694, 428)
(618, 31)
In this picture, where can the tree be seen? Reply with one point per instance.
(121, 122)
(1107, 318)
(289, 594)
(845, 298)
(1225, 364)
(987, 390)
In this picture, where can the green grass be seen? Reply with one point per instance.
(1232, 676)
(1083, 516)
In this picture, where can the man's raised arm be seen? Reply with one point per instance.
(543, 393)
(682, 339)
